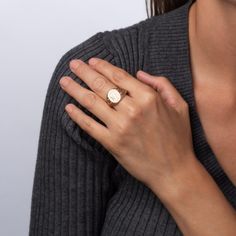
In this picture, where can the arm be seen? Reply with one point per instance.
(72, 182)
(197, 204)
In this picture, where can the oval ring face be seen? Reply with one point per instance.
(114, 95)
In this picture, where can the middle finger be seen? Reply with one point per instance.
(97, 82)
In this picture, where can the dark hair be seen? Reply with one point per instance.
(157, 7)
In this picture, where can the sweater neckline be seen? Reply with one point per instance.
(207, 157)
(168, 54)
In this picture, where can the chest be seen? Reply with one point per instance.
(218, 119)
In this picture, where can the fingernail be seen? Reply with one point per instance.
(75, 63)
(143, 74)
(64, 81)
(93, 61)
(69, 108)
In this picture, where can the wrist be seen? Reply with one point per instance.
(174, 187)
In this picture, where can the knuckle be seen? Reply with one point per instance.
(134, 111)
(89, 100)
(185, 105)
(121, 72)
(174, 104)
(150, 97)
(99, 63)
(87, 126)
(87, 123)
(179, 106)
(122, 129)
(77, 117)
(99, 83)
(118, 75)
(162, 79)
(149, 90)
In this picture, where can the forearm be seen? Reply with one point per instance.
(197, 204)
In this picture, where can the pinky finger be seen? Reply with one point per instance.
(88, 124)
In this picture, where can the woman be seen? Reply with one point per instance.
(158, 159)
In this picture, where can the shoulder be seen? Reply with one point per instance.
(125, 47)
(127, 40)
(119, 45)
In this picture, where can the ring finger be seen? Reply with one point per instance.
(97, 82)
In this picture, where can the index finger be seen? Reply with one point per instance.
(118, 76)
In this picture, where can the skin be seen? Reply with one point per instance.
(128, 133)
(169, 167)
(213, 55)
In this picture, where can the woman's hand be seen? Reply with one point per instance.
(148, 132)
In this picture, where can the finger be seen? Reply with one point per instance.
(163, 86)
(148, 79)
(88, 124)
(88, 99)
(118, 76)
(96, 81)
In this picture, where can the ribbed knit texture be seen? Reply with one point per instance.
(79, 187)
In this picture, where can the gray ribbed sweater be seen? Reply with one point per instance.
(79, 188)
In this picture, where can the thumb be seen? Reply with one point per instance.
(163, 86)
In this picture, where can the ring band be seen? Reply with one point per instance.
(115, 95)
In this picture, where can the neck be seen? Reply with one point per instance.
(213, 37)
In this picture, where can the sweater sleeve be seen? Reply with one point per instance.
(73, 174)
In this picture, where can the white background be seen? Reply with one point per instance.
(33, 37)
